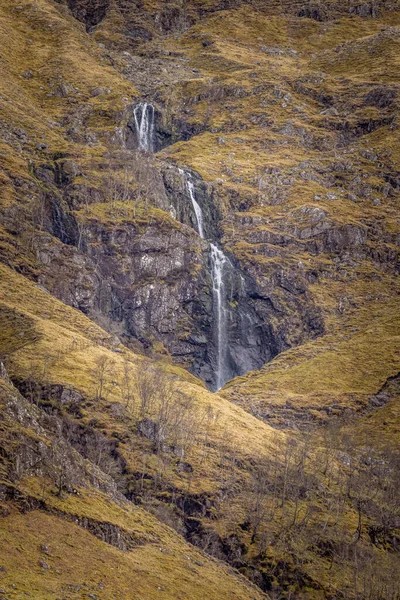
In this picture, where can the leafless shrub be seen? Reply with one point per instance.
(102, 376)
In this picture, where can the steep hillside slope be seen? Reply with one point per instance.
(99, 426)
(199, 195)
(68, 457)
(68, 530)
(333, 376)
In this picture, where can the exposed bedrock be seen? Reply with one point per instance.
(88, 12)
(151, 283)
(143, 23)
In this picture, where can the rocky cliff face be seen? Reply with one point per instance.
(151, 282)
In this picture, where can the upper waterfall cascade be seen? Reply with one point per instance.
(144, 123)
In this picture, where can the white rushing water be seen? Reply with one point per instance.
(144, 122)
(219, 262)
(197, 209)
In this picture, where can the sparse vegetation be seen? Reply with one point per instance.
(121, 474)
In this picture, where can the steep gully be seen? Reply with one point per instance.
(159, 282)
(220, 267)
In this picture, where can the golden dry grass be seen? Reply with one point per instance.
(62, 346)
(81, 564)
(238, 86)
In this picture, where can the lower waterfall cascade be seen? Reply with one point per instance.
(219, 264)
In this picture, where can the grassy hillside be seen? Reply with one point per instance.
(236, 484)
(87, 540)
(338, 372)
(121, 474)
(60, 346)
(278, 96)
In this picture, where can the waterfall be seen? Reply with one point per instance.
(144, 122)
(197, 209)
(219, 264)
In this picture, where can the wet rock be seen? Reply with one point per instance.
(365, 9)
(118, 410)
(344, 237)
(388, 391)
(45, 173)
(88, 13)
(315, 11)
(177, 191)
(143, 282)
(330, 112)
(4, 375)
(63, 90)
(148, 428)
(185, 467)
(381, 97)
(60, 220)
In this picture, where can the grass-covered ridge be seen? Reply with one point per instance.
(230, 465)
(64, 347)
(337, 372)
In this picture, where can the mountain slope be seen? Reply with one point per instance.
(275, 134)
(89, 540)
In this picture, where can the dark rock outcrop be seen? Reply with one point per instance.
(152, 283)
(88, 12)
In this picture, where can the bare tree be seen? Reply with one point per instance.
(103, 368)
(146, 389)
(120, 181)
(257, 505)
(127, 386)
